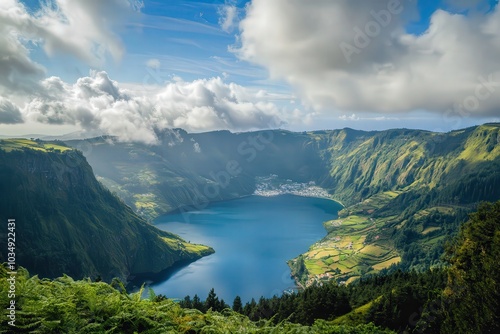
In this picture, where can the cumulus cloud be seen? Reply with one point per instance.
(17, 71)
(80, 28)
(353, 117)
(9, 112)
(355, 55)
(97, 102)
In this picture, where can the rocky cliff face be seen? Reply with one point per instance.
(67, 222)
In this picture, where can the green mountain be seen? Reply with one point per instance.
(185, 171)
(405, 191)
(67, 222)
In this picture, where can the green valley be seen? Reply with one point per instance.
(405, 192)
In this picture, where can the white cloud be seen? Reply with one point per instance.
(9, 112)
(98, 103)
(450, 68)
(210, 104)
(353, 117)
(82, 28)
(228, 15)
(95, 103)
(17, 71)
(79, 28)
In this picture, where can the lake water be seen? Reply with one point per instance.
(253, 237)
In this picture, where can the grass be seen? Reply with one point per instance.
(374, 250)
(441, 209)
(178, 244)
(475, 148)
(386, 264)
(346, 248)
(434, 240)
(145, 201)
(356, 316)
(195, 248)
(430, 229)
(352, 279)
(9, 145)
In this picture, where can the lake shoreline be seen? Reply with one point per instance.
(307, 225)
(298, 194)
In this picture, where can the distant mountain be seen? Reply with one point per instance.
(353, 165)
(405, 191)
(185, 171)
(68, 223)
(68, 136)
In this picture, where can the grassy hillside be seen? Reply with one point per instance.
(405, 191)
(9, 145)
(67, 222)
(365, 163)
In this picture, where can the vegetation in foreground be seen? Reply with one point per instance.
(64, 305)
(460, 299)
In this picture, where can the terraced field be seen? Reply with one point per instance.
(355, 244)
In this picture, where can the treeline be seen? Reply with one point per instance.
(64, 305)
(393, 299)
(460, 298)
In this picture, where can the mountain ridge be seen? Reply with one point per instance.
(67, 222)
(417, 170)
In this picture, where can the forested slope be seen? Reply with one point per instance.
(68, 223)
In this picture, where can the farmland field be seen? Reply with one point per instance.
(355, 244)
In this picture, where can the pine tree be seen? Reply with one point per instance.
(237, 305)
(186, 303)
(212, 301)
(197, 304)
(472, 294)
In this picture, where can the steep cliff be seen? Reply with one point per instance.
(67, 222)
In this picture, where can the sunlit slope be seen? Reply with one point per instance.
(365, 163)
(418, 187)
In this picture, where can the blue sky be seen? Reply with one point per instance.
(185, 36)
(267, 64)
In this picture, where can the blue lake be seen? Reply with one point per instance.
(253, 237)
